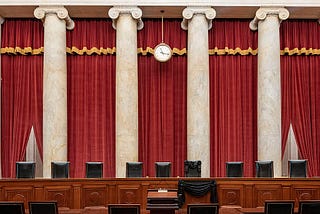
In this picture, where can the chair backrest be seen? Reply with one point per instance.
(124, 209)
(192, 168)
(11, 207)
(297, 168)
(163, 169)
(59, 169)
(43, 207)
(234, 169)
(25, 169)
(264, 169)
(94, 169)
(202, 209)
(134, 169)
(279, 207)
(309, 207)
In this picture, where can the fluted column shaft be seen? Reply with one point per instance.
(126, 21)
(197, 21)
(54, 85)
(267, 21)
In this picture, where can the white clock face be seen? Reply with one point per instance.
(162, 52)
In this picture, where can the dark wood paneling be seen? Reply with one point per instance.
(80, 193)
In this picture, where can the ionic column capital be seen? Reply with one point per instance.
(135, 12)
(189, 12)
(263, 12)
(61, 12)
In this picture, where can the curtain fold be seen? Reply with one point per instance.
(233, 97)
(21, 92)
(300, 91)
(162, 99)
(91, 98)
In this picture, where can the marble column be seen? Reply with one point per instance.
(267, 21)
(197, 20)
(56, 20)
(126, 20)
(1, 22)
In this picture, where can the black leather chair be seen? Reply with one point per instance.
(203, 209)
(279, 207)
(25, 169)
(192, 168)
(94, 169)
(163, 169)
(134, 169)
(60, 169)
(124, 208)
(11, 207)
(234, 169)
(43, 207)
(297, 168)
(309, 207)
(264, 169)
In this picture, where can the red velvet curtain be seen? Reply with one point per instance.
(162, 99)
(21, 91)
(233, 96)
(91, 97)
(300, 79)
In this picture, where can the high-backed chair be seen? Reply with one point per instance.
(163, 169)
(234, 169)
(309, 207)
(43, 207)
(124, 209)
(279, 207)
(25, 169)
(11, 207)
(202, 209)
(264, 169)
(134, 169)
(192, 168)
(297, 168)
(94, 169)
(59, 169)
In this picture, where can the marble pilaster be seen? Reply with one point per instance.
(1, 22)
(126, 20)
(197, 20)
(267, 21)
(56, 20)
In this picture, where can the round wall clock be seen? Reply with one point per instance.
(162, 52)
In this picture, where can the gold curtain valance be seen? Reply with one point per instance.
(149, 50)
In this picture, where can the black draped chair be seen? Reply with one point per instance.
(11, 207)
(124, 208)
(279, 207)
(43, 207)
(25, 169)
(234, 169)
(297, 168)
(202, 209)
(264, 169)
(59, 169)
(163, 169)
(192, 168)
(197, 188)
(309, 207)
